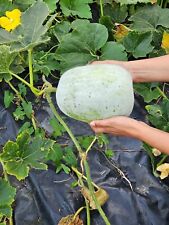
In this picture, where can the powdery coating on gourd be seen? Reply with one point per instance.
(94, 92)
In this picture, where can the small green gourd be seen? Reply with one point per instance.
(95, 92)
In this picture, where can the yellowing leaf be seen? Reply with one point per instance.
(156, 152)
(70, 220)
(153, 1)
(101, 195)
(121, 32)
(164, 169)
(165, 42)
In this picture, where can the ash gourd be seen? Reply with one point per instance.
(94, 92)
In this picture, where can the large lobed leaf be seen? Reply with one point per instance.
(25, 153)
(31, 32)
(6, 58)
(139, 44)
(76, 7)
(149, 18)
(126, 2)
(84, 43)
(7, 195)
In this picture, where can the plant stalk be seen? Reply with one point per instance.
(79, 175)
(58, 117)
(30, 67)
(33, 89)
(81, 153)
(162, 93)
(101, 8)
(83, 176)
(15, 90)
(162, 160)
(91, 189)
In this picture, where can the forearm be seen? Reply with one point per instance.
(149, 70)
(152, 136)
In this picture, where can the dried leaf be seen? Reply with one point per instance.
(165, 42)
(101, 195)
(156, 152)
(121, 32)
(153, 1)
(164, 169)
(69, 220)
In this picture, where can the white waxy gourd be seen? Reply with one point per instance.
(95, 92)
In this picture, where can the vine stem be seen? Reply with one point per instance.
(10, 221)
(30, 67)
(15, 90)
(92, 143)
(101, 7)
(79, 175)
(33, 89)
(83, 176)
(91, 189)
(4, 171)
(81, 154)
(162, 93)
(48, 98)
(6, 178)
(162, 160)
(77, 212)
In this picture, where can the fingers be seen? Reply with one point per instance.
(100, 123)
(102, 62)
(100, 126)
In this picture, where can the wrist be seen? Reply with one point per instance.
(131, 67)
(140, 130)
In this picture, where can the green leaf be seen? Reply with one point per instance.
(45, 62)
(69, 157)
(22, 89)
(65, 168)
(23, 5)
(51, 4)
(85, 141)
(102, 140)
(27, 108)
(76, 7)
(27, 36)
(159, 115)
(7, 195)
(26, 126)
(126, 2)
(107, 22)
(152, 158)
(8, 98)
(57, 127)
(26, 153)
(138, 44)
(147, 92)
(109, 153)
(55, 154)
(113, 50)
(149, 18)
(6, 59)
(5, 5)
(19, 114)
(118, 13)
(60, 29)
(81, 46)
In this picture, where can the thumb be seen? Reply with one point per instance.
(99, 123)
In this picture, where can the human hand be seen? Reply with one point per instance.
(125, 64)
(119, 125)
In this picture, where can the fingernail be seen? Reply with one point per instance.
(92, 124)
